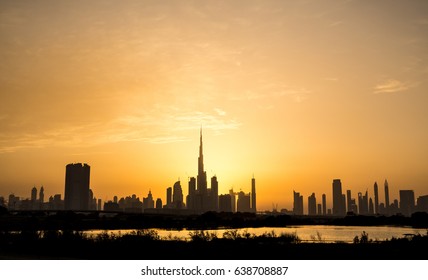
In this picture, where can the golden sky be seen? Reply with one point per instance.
(297, 93)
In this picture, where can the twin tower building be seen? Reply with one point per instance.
(200, 198)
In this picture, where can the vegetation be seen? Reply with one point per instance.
(201, 244)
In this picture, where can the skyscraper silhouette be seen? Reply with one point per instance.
(407, 202)
(177, 196)
(169, 197)
(76, 195)
(312, 204)
(33, 194)
(386, 197)
(253, 195)
(324, 204)
(338, 199)
(214, 194)
(376, 199)
(202, 174)
(202, 199)
(297, 203)
(42, 195)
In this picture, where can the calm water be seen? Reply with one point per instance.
(305, 233)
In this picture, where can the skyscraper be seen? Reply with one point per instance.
(376, 199)
(253, 195)
(349, 200)
(169, 197)
(76, 195)
(386, 197)
(42, 195)
(225, 203)
(191, 194)
(297, 203)
(324, 204)
(232, 199)
(363, 203)
(201, 199)
(214, 194)
(177, 196)
(407, 202)
(33, 194)
(338, 200)
(312, 204)
(202, 174)
(243, 202)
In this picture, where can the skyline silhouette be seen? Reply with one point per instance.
(78, 196)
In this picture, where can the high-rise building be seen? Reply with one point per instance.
(200, 198)
(232, 199)
(253, 195)
(324, 204)
(33, 194)
(338, 200)
(349, 200)
(297, 203)
(202, 174)
(243, 203)
(312, 204)
(376, 199)
(42, 195)
(148, 202)
(158, 203)
(407, 202)
(213, 195)
(386, 197)
(225, 203)
(422, 203)
(169, 197)
(76, 195)
(177, 196)
(371, 207)
(191, 196)
(363, 203)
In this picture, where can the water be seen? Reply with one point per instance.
(309, 233)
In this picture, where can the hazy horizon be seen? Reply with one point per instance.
(297, 93)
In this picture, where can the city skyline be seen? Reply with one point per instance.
(297, 93)
(200, 198)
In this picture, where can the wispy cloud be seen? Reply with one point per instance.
(272, 90)
(392, 85)
(156, 127)
(220, 112)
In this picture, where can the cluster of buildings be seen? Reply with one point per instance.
(200, 197)
(78, 196)
(362, 204)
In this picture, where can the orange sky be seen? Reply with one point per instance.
(297, 93)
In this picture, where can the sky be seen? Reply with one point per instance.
(294, 93)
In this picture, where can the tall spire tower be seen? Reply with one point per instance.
(202, 175)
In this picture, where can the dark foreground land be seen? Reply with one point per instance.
(146, 244)
(42, 235)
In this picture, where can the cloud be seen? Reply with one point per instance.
(220, 112)
(274, 90)
(160, 126)
(391, 85)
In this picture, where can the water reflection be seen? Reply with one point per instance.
(315, 233)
